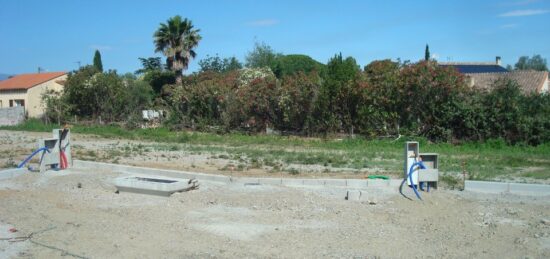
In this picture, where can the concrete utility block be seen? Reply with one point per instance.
(12, 173)
(378, 183)
(270, 181)
(356, 183)
(486, 187)
(292, 182)
(336, 182)
(530, 189)
(154, 185)
(354, 195)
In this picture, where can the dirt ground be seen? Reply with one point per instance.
(16, 145)
(235, 220)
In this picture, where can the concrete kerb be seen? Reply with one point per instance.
(12, 173)
(350, 183)
(513, 188)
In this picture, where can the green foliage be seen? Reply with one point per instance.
(292, 64)
(177, 40)
(217, 64)
(97, 61)
(427, 54)
(534, 63)
(90, 94)
(262, 56)
(336, 106)
(150, 64)
(157, 79)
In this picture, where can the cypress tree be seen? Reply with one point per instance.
(427, 53)
(97, 61)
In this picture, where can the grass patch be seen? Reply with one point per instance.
(483, 161)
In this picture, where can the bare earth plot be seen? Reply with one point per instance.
(54, 217)
(235, 220)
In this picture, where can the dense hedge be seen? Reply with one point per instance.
(384, 99)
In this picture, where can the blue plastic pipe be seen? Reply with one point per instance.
(421, 165)
(33, 154)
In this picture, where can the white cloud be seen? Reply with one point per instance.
(527, 12)
(101, 47)
(263, 22)
(509, 26)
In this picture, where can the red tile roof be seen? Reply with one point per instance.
(26, 81)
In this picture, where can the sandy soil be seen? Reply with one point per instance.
(235, 221)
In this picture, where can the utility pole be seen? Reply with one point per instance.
(78, 62)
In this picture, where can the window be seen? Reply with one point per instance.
(17, 103)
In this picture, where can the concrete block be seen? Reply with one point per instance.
(12, 173)
(378, 183)
(292, 182)
(486, 187)
(270, 181)
(530, 189)
(354, 195)
(356, 183)
(336, 182)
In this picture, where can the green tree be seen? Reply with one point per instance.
(217, 64)
(262, 56)
(292, 64)
(149, 64)
(534, 63)
(336, 105)
(427, 53)
(177, 40)
(97, 61)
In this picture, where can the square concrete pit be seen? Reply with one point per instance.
(153, 185)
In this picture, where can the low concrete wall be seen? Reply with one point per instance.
(513, 188)
(350, 183)
(12, 116)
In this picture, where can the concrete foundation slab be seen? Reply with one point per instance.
(154, 185)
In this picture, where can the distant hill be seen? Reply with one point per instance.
(4, 76)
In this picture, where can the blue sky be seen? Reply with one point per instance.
(55, 35)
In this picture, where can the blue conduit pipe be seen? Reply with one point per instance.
(411, 170)
(43, 149)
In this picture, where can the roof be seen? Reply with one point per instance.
(27, 81)
(529, 80)
(475, 67)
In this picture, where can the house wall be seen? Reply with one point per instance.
(33, 96)
(7, 95)
(34, 105)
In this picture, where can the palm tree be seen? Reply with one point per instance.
(176, 39)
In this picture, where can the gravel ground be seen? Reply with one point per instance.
(228, 221)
